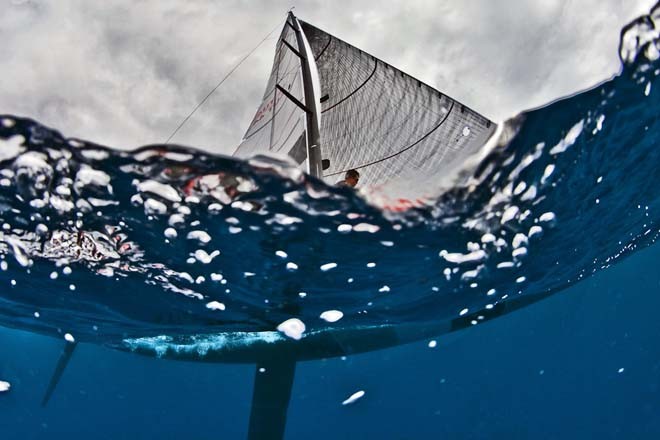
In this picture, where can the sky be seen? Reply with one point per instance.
(126, 73)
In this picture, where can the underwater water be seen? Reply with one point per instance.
(174, 253)
(548, 371)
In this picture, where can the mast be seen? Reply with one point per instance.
(313, 130)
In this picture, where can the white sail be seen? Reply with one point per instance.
(373, 118)
(279, 125)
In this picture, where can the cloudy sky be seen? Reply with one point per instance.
(125, 73)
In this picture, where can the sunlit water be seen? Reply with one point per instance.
(178, 253)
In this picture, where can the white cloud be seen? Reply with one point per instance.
(125, 73)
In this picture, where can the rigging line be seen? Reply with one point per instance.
(222, 81)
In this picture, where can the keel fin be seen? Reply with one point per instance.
(62, 363)
(273, 381)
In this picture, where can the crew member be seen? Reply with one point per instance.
(350, 179)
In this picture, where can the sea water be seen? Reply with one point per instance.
(175, 253)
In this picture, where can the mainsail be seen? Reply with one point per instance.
(371, 116)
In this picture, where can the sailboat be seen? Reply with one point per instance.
(331, 107)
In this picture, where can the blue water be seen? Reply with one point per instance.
(492, 385)
(175, 253)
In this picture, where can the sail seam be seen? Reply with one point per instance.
(286, 124)
(398, 152)
(277, 111)
(398, 70)
(264, 125)
(293, 129)
(354, 91)
(323, 50)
